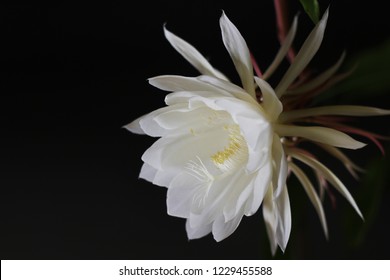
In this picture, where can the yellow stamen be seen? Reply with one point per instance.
(221, 156)
(233, 151)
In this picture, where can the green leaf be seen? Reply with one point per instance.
(369, 78)
(370, 195)
(312, 9)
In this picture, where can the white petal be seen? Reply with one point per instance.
(192, 55)
(184, 120)
(238, 197)
(329, 176)
(271, 103)
(277, 218)
(270, 219)
(283, 49)
(320, 134)
(279, 174)
(148, 172)
(233, 89)
(216, 198)
(181, 193)
(147, 123)
(259, 139)
(312, 194)
(284, 218)
(304, 56)
(238, 50)
(178, 97)
(222, 229)
(241, 192)
(197, 232)
(261, 186)
(336, 110)
(179, 83)
(164, 177)
(135, 126)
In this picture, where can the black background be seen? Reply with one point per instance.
(72, 74)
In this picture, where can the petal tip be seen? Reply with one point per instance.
(134, 127)
(359, 145)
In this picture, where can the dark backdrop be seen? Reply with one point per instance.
(71, 75)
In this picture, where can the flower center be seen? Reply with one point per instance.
(234, 153)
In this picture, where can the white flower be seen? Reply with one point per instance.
(218, 153)
(222, 149)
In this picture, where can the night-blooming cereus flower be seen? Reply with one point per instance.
(224, 150)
